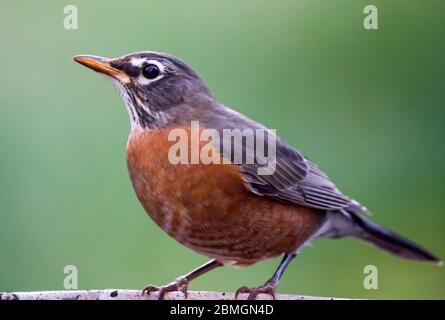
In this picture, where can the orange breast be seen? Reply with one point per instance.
(209, 209)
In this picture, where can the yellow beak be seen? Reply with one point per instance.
(101, 65)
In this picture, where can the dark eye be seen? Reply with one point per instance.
(150, 71)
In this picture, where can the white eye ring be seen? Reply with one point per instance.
(157, 64)
(139, 62)
(145, 81)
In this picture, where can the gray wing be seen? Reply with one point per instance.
(295, 178)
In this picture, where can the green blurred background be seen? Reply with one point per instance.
(367, 106)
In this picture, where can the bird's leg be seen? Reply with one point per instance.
(181, 283)
(271, 285)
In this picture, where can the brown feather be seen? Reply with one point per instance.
(209, 209)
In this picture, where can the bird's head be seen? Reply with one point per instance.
(152, 84)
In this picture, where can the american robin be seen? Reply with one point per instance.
(229, 210)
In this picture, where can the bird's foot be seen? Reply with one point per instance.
(179, 284)
(268, 288)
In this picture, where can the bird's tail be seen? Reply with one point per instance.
(390, 241)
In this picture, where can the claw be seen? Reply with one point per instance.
(179, 284)
(243, 289)
(268, 288)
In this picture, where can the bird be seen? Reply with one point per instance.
(228, 210)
